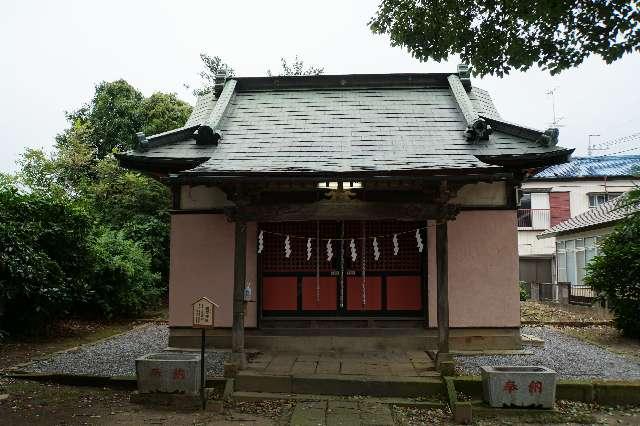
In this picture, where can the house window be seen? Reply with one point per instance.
(572, 275)
(580, 261)
(598, 199)
(590, 249)
(572, 258)
(561, 261)
(534, 211)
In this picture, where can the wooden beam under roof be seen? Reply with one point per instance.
(340, 210)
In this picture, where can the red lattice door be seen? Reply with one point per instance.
(362, 280)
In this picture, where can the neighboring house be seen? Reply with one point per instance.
(563, 191)
(577, 239)
(337, 211)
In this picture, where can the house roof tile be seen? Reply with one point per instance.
(598, 217)
(600, 166)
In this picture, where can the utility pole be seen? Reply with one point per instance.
(590, 147)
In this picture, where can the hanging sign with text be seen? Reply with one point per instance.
(203, 313)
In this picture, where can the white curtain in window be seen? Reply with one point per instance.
(561, 261)
(571, 262)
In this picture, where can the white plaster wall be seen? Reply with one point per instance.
(203, 197)
(482, 194)
(530, 245)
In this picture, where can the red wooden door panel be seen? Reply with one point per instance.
(279, 293)
(404, 293)
(373, 294)
(325, 299)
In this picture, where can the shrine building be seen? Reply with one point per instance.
(346, 212)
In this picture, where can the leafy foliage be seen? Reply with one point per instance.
(135, 204)
(162, 112)
(45, 257)
(495, 37)
(116, 113)
(212, 65)
(297, 67)
(524, 293)
(79, 234)
(125, 284)
(615, 272)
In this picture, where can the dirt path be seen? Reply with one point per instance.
(31, 403)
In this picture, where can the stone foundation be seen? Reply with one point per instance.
(350, 340)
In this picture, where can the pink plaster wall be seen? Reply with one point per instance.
(202, 252)
(483, 270)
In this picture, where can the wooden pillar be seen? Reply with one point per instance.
(442, 262)
(239, 279)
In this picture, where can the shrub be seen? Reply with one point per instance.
(123, 283)
(44, 257)
(524, 293)
(615, 274)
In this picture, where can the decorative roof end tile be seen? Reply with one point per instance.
(221, 78)
(464, 73)
(143, 143)
(549, 137)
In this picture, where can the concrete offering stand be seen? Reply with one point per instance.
(518, 386)
(169, 373)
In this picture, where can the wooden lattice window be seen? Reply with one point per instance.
(408, 258)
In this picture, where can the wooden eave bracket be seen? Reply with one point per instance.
(209, 133)
(477, 127)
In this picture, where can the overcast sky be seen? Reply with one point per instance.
(53, 53)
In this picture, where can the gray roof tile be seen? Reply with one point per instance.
(342, 130)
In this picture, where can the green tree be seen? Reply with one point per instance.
(495, 37)
(45, 257)
(297, 67)
(213, 65)
(162, 112)
(110, 121)
(125, 284)
(615, 272)
(118, 111)
(135, 204)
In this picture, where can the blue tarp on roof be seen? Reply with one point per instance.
(606, 165)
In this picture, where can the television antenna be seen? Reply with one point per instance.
(556, 119)
(591, 148)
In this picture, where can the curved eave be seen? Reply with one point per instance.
(527, 161)
(488, 174)
(550, 233)
(158, 164)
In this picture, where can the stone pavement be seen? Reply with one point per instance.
(399, 364)
(333, 413)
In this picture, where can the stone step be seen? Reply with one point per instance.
(381, 386)
(402, 402)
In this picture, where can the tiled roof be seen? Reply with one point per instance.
(598, 217)
(580, 167)
(397, 123)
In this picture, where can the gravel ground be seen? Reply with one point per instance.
(569, 357)
(116, 356)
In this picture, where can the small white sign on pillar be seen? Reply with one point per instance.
(204, 311)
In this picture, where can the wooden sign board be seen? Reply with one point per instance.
(203, 313)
